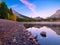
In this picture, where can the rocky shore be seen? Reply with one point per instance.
(14, 33)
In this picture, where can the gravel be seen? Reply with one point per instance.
(14, 33)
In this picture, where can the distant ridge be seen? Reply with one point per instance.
(38, 18)
(56, 15)
(20, 15)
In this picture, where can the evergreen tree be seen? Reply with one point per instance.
(10, 11)
(3, 10)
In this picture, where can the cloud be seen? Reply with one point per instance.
(29, 5)
(13, 6)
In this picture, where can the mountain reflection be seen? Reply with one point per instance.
(56, 29)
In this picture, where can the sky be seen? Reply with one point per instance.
(34, 8)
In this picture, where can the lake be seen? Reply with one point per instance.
(52, 33)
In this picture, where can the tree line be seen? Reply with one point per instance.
(6, 13)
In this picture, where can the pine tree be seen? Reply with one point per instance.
(10, 11)
(3, 10)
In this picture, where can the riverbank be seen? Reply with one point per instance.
(14, 33)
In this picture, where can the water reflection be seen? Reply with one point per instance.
(38, 26)
(56, 29)
(52, 34)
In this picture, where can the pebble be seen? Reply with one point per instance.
(14, 40)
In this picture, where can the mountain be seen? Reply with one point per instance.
(38, 18)
(19, 15)
(56, 15)
(22, 18)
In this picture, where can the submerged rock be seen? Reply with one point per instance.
(43, 34)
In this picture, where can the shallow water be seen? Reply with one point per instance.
(52, 34)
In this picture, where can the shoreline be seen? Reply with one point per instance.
(42, 23)
(14, 33)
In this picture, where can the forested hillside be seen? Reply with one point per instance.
(6, 13)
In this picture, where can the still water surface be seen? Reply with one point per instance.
(52, 34)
